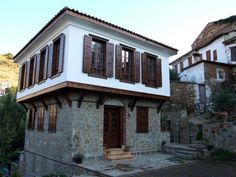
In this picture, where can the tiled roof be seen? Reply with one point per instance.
(65, 9)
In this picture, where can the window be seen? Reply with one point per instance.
(151, 70)
(127, 64)
(31, 119)
(208, 55)
(200, 56)
(181, 66)
(31, 71)
(215, 55)
(43, 64)
(56, 56)
(22, 76)
(233, 53)
(189, 61)
(142, 120)
(40, 118)
(220, 74)
(98, 56)
(52, 118)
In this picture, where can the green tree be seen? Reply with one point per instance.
(174, 76)
(12, 123)
(8, 56)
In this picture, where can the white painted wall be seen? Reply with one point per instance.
(74, 31)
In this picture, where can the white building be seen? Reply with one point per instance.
(3, 86)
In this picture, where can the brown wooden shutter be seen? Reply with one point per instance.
(144, 68)
(159, 72)
(189, 61)
(142, 120)
(19, 78)
(87, 54)
(37, 62)
(215, 55)
(61, 53)
(208, 55)
(136, 66)
(118, 61)
(50, 60)
(46, 63)
(27, 74)
(109, 59)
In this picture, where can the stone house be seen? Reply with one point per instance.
(89, 85)
(3, 87)
(212, 58)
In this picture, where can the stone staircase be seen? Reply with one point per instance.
(187, 151)
(117, 154)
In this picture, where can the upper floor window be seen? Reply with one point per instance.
(189, 61)
(30, 119)
(127, 64)
(98, 56)
(22, 76)
(151, 70)
(40, 123)
(56, 56)
(31, 75)
(208, 55)
(220, 74)
(181, 66)
(215, 55)
(233, 53)
(142, 120)
(42, 70)
(52, 124)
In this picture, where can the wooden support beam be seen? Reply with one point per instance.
(100, 101)
(35, 108)
(69, 101)
(159, 106)
(58, 101)
(44, 104)
(81, 97)
(132, 103)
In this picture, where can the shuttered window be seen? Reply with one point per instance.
(30, 119)
(31, 73)
(40, 119)
(142, 120)
(42, 64)
(127, 64)
(215, 55)
(233, 53)
(151, 70)
(181, 66)
(52, 118)
(208, 55)
(98, 57)
(22, 77)
(189, 61)
(56, 56)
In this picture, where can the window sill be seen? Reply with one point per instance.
(22, 90)
(41, 82)
(98, 76)
(56, 75)
(31, 86)
(126, 81)
(152, 86)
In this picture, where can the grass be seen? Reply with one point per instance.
(223, 155)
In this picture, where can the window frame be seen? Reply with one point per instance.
(208, 55)
(142, 123)
(231, 52)
(52, 123)
(41, 115)
(41, 74)
(218, 74)
(23, 76)
(153, 82)
(31, 119)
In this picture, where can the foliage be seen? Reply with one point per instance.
(12, 123)
(8, 56)
(223, 97)
(231, 19)
(55, 175)
(199, 136)
(221, 154)
(174, 76)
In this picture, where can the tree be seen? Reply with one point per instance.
(8, 56)
(174, 76)
(12, 123)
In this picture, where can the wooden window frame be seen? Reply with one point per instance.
(142, 122)
(208, 55)
(31, 119)
(41, 115)
(31, 74)
(42, 75)
(181, 66)
(190, 62)
(52, 121)
(233, 51)
(215, 55)
(23, 76)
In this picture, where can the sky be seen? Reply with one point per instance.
(176, 23)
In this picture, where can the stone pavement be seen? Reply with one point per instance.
(139, 164)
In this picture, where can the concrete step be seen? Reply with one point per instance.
(184, 156)
(114, 151)
(198, 146)
(117, 154)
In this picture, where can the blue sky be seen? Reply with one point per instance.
(173, 22)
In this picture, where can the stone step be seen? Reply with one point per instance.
(120, 156)
(114, 151)
(185, 156)
(198, 146)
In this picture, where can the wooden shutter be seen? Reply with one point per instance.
(208, 55)
(118, 61)
(37, 60)
(61, 53)
(50, 60)
(233, 53)
(19, 78)
(144, 68)
(215, 55)
(159, 72)
(45, 63)
(142, 120)
(136, 66)
(27, 74)
(109, 59)
(181, 66)
(87, 54)
(189, 61)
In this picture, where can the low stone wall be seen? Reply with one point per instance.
(221, 135)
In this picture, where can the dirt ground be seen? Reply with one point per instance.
(197, 169)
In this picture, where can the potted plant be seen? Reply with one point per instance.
(78, 158)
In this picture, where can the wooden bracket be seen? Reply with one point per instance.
(58, 101)
(35, 108)
(159, 106)
(69, 101)
(100, 101)
(44, 104)
(81, 97)
(132, 103)
(25, 107)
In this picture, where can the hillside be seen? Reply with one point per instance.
(8, 69)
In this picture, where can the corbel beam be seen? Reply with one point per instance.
(132, 103)
(44, 104)
(159, 106)
(58, 101)
(100, 101)
(33, 105)
(69, 101)
(81, 97)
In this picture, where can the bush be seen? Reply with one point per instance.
(174, 76)
(55, 175)
(221, 154)
(199, 136)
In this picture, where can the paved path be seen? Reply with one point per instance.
(196, 169)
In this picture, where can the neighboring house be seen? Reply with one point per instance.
(89, 85)
(3, 86)
(212, 58)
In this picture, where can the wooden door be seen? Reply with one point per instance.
(112, 127)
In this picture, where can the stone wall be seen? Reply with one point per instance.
(221, 135)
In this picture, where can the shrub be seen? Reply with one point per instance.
(174, 76)
(55, 175)
(221, 154)
(199, 136)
